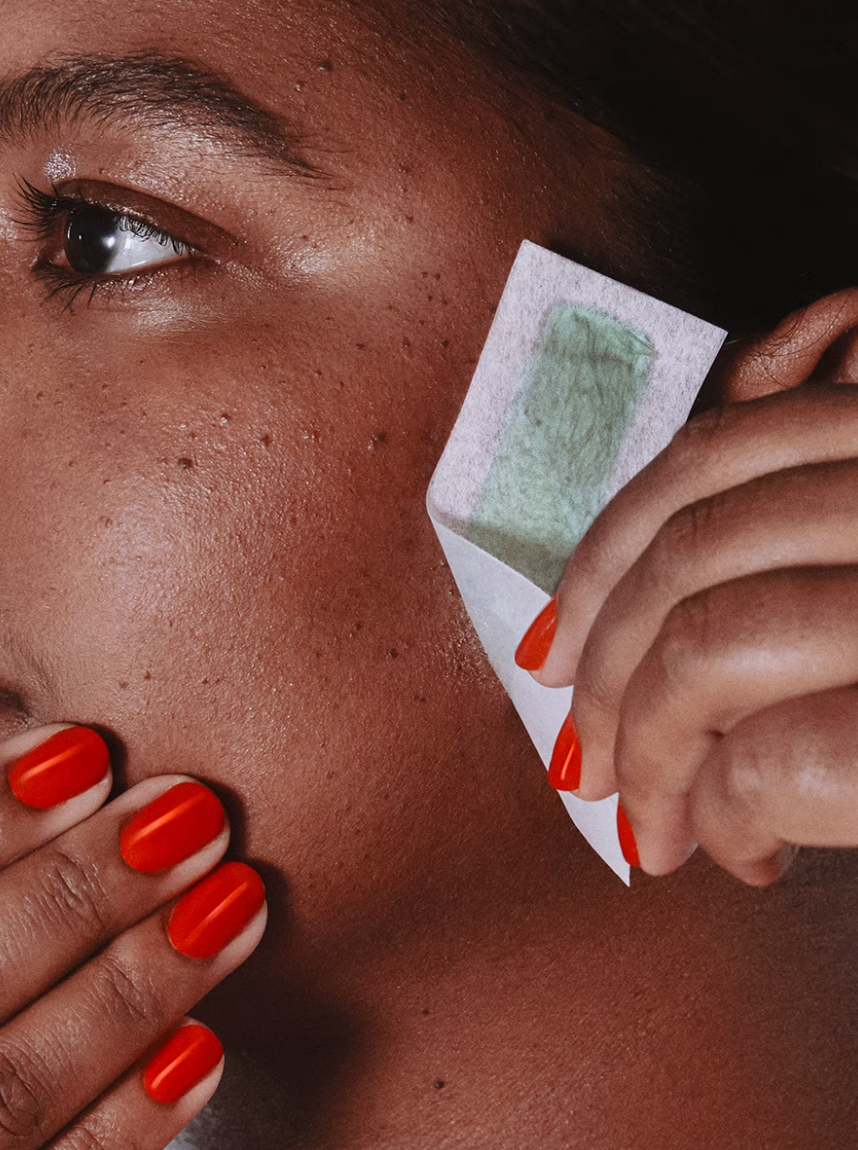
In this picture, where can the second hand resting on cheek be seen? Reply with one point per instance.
(709, 620)
(93, 1038)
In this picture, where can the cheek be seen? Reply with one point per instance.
(221, 553)
(194, 553)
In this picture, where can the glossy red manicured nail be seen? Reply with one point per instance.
(65, 765)
(172, 828)
(216, 910)
(534, 647)
(181, 1063)
(564, 773)
(627, 838)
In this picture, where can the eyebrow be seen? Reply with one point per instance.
(164, 91)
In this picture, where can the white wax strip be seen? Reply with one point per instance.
(582, 381)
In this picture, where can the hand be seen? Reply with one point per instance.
(96, 966)
(709, 621)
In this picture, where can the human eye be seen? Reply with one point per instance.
(86, 245)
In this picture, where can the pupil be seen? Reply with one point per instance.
(90, 239)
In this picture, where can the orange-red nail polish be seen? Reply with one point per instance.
(564, 772)
(172, 828)
(534, 647)
(65, 765)
(216, 910)
(182, 1062)
(627, 838)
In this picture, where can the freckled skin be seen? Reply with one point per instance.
(215, 547)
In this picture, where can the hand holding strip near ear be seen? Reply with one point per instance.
(719, 583)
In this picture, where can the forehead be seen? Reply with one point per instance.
(363, 90)
(279, 52)
(287, 29)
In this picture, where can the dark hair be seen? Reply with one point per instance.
(745, 110)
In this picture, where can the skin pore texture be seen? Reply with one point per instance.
(216, 551)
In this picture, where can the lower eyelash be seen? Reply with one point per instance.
(62, 284)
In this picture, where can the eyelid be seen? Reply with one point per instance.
(201, 235)
(204, 244)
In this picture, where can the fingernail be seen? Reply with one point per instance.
(534, 647)
(172, 828)
(564, 772)
(216, 910)
(67, 764)
(627, 838)
(182, 1062)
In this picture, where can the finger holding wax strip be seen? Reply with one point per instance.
(582, 381)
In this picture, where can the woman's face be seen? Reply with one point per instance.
(214, 542)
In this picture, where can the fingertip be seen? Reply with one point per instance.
(560, 668)
(53, 768)
(660, 851)
(564, 771)
(590, 790)
(188, 1066)
(225, 913)
(628, 842)
(762, 872)
(533, 649)
(172, 827)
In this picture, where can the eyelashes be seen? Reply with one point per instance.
(87, 246)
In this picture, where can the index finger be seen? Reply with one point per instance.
(65, 901)
(51, 778)
(718, 450)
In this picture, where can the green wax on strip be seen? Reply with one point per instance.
(548, 478)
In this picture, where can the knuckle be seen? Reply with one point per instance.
(691, 654)
(594, 693)
(746, 773)
(125, 996)
(706, 433)
(24, 1097)
(82, 1138)
(593, 565)
(589, 558)
(707, 445)
(89, 1134)
(759, 760)
(6, 835)
(687, 638)
(73, 893)
(684, 542)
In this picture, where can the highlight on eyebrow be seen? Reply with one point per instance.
(165, 90)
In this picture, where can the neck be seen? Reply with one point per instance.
(524, 997)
